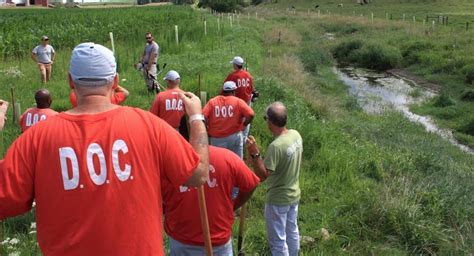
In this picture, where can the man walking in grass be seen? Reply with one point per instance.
(281, 168)
(3, 113)
(167, 105)
(227, 116)
(96, 170)
(149, 59)
(244, 81)
(40, 113)
(44, 56)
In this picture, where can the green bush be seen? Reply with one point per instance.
(443, 100)
(222, 5)
(468, 72)
(467, 128)
(376, 56)
(344, 49)
(412, 51)
(467, 95)
(313, 57)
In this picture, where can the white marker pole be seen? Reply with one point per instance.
(372, 18)
(218, 25)
(205, 28)
(433, 24)
(112, 41)
(176, 33)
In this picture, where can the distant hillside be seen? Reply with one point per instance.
(460, 11)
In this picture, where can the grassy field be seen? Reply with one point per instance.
(379, 184)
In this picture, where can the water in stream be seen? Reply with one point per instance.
(377, 92)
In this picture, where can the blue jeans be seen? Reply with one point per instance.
(180, 249)
(282, 229)
(233, 142)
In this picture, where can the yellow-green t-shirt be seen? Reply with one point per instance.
(283, 159)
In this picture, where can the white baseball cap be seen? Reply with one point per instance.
(172, 76)
(44, 38)
(92, 65)
(237, 61)
(229, 86)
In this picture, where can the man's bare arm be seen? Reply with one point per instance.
(257, 162)
(198, 139)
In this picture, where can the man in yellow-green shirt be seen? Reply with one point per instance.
(281, 167)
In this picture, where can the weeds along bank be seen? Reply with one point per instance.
(427, 37)
(380, 184)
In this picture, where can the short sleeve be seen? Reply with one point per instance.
(271, 158)
(207, 110)
(247, 111)
(16, 178)
(244, 178)
(178, 158)
(155, 49)
(155, 107)
(52, 50)
(35, 50)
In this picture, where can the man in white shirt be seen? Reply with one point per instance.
(44, 56)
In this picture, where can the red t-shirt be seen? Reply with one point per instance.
(117, 98)
(182, 221)
(169, 107)
(35, 115)
(244, 82)
(225, 115)
(96, 180)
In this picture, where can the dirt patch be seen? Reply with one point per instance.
(407, 75)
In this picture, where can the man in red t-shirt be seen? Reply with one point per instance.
(244, 82)
(226, 171)
(167, 105)
(119, 95)
(95, 171)
(40, 113)
(226, 117)
(242, 79)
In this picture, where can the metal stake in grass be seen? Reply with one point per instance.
(176, 34)
(12, 90)
(112, 41)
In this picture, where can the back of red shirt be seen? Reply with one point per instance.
(169, 107)
(96, 180)
(244, 82)
(182, 221)
(35, 115)
(225, 115)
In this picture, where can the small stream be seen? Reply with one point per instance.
(377, 92)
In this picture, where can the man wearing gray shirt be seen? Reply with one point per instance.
(149, 59)
(44, 56)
